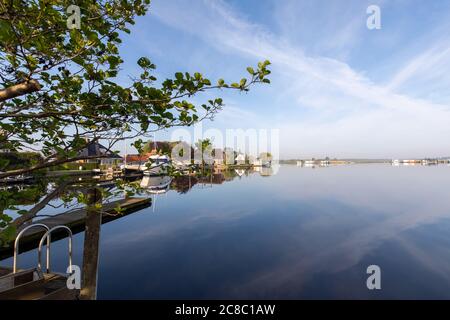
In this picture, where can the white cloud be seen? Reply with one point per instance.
(354, 116)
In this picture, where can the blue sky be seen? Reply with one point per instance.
(338, 89)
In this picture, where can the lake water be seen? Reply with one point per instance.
(301, 233)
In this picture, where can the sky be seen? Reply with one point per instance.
(337, 88)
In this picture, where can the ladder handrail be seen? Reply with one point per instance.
(48, 235)
(16, 242)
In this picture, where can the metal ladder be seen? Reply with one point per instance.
(16, 242)
(47, 235)
(22, 284)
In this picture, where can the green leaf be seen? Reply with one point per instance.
(144, 62)
(179, 76)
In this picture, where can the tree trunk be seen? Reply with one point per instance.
(91, 246)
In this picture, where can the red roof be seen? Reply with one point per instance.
(137, 157)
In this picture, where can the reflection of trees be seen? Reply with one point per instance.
(42, 194)
(183, 184)
(72, 192)
(68, 189)
(22, 195)
(30, 214)
(229, 174)
(214, 178)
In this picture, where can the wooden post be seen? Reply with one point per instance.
(91, 246)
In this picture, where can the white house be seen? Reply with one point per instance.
(218, 157)
(197, 157)
(257, 163)
(240, 159)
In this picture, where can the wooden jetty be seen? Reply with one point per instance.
(32, 284)
(75, 220)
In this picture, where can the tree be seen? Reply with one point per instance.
(266, 156)
(203, 146)
(59, 89)
(58, 85)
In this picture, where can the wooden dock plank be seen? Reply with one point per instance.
(75, 220)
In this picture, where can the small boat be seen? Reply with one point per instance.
(156, 184)
(16, 179)
(157, 165)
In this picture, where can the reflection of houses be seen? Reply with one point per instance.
(266, 171)
(262, 161)
(94, 149)
(309, 163)
(216, 178)
(256, 162)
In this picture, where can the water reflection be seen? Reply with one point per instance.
(298, 234)
(42, 199)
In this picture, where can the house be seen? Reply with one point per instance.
(266, 159)
(198, 157)
(257, 162)
(240, 159)
(218, 157)
(92, 149)
(229, 156)
(137, 159)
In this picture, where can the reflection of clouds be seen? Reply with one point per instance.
(184, 216)
(315, 221)
(393, 202)
(439, 262)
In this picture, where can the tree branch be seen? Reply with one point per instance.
(19, 90)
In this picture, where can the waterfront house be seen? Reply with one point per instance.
(108, 158)
(197, 157)
(218, 157)
(257, 162)
(137, 159)
(240, 159)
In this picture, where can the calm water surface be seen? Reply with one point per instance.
(302, 233)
